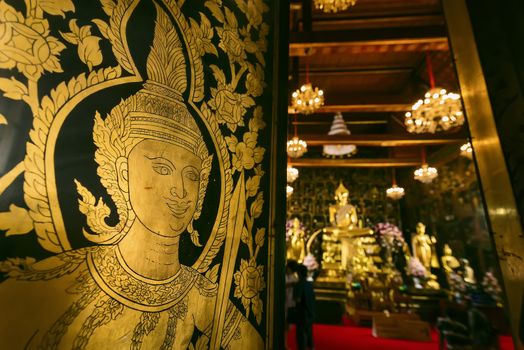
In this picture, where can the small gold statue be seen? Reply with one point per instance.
(469, 273)
(449, 262)
(296, 249)
(432, 283)
(342, 214)
(422, 246)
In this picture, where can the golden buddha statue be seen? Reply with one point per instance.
(469, 273)
(422, 246)
(296, 249)
(342, 214)
(449, 262)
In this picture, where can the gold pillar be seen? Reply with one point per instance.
(503, 215)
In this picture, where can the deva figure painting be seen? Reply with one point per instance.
(157, 152)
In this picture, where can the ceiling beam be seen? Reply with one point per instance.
(354, 163)
(366, 108)
(384, 140)
(352, 122)
(357, 71)
(334, 23)
(371, 39)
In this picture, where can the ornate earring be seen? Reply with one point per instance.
(195, 238)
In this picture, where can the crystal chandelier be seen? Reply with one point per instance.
(439, 110)
(307, 99)
(425, 173)
(292, 174)
(296, 147)
(394, 192)
(334, 5)
(289, 191)
(339, 128)
(466, 150)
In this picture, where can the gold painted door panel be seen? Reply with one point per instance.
(134, 146)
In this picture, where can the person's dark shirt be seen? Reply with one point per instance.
(305, 299)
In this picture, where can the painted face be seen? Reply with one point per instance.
(163, 186)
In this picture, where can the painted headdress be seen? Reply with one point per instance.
(157, 112)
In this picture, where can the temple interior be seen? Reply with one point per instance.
(384, 206)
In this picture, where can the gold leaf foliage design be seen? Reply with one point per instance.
(233, 104)
(25, 42)
(88, 44)
(3, 119)
(16, 221)
(114, 33)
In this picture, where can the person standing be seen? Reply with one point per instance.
(305, 309)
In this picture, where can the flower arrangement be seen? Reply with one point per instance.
(289, 228)
(384, 230)
(310, 262)
(457, 283)
(491, 286)
(415, 268)
(389, 236)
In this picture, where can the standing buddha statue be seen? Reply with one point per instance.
(422, 246)
(296, 249)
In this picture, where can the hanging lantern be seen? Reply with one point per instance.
(394, 192)
(289, 191)
(439, 110)
(466, 150)
(307, 99)
(425, 173)
(339, 128)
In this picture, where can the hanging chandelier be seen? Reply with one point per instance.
(439, 110)
(339, 128)
(292, 174)
(289, 191)
(425, 173)
(307, 99)
(466, 150)
(296, 147)
(395, 192)
(334, 5)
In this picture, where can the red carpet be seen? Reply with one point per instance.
(330, 337)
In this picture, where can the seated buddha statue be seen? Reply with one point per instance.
(342, 214)
(469, 273)
(449, 262)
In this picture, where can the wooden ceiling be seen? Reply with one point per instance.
(370, 62)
